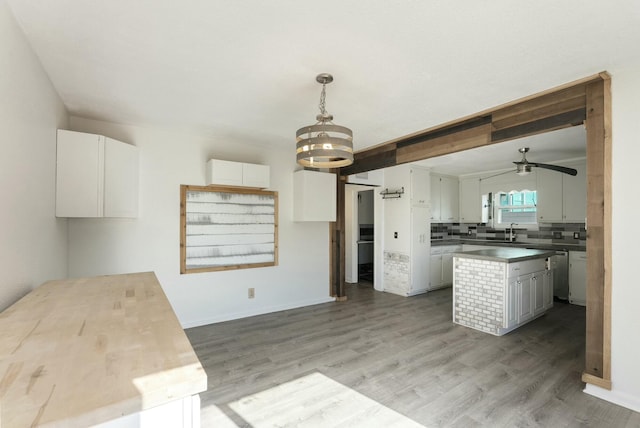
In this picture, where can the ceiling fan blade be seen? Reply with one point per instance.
(562, 169)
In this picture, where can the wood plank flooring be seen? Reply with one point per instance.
(406, 355)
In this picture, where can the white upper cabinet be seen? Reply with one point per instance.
(574, 195)
(121, 166)
(470, 200)
(255, 175)
(449, 200)
(562, 197)
(444, 199)
(314, 196)
(549, 194)
(420, 188)
(227, 173)
(96, 176)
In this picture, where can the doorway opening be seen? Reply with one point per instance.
(360, 234)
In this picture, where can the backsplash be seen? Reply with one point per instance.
(547, 233)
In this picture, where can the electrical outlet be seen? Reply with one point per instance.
(395, 235)
(252, 293)
(576, 235)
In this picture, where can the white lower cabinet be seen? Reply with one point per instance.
(578, 277)
(435, 272)
(525, 301)
(504, 296)
(441, 269)
(420, 249)
(528, 296)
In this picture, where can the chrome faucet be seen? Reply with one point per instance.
(512, 236)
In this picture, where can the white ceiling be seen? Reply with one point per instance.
(552, 147)
(245, 70)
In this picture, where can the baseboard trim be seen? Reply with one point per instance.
(254, 312)
(619, 398)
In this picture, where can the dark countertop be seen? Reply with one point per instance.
(507, 255)
(526, 245)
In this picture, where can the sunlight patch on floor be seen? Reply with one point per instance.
(212, 416)
(316, 401)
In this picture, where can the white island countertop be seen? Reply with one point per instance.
(507, 255)
(79, 352)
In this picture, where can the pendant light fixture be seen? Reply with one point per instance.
(324, 145)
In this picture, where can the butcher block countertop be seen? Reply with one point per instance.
(83, 351)
(508, 255)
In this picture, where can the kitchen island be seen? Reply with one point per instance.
(498, 290)
(107, 350)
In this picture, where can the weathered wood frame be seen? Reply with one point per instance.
(222, 189)
(586, 101)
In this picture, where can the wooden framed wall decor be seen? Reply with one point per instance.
(223, 228)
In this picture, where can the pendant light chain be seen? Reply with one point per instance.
(322, 104)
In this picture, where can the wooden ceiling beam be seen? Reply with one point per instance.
(556, 108)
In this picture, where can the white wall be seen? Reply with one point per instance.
(351, 232)
(396, 211)
(152, 241)
(625, 319)
(32, 241)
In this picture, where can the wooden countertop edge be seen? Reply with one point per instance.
(97, 316)
(127, 407)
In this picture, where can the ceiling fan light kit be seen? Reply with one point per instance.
(324, 144)
(523, 167)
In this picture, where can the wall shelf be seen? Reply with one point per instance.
(392, 194)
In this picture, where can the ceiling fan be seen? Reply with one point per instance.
(523, 167)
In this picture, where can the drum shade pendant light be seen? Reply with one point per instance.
(324, 145)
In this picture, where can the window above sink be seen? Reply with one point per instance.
(516, 206)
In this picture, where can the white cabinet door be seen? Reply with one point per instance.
(79, 174)
(449, 200)
(224, 173)
(574, 195)
(420, 186)
(447, 269)
(537, 288)
(254, 175)
(562, 197)
(525, 294)
(314, 196)
(435, 274)
(548, 289)
(120, 179)
(435, 187)
(549, 193)
(95, 176)
(420, 249)
(512, 301)
(470, 201)
(578, 277)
